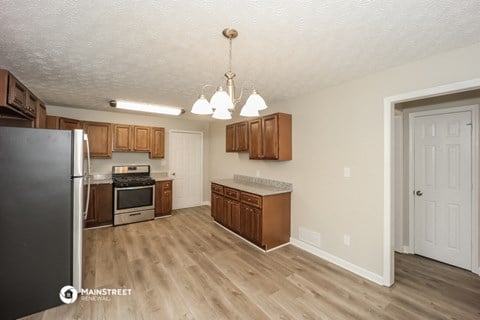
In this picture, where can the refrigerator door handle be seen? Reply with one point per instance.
(87, 201)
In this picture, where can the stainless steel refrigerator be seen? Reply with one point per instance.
(41, 217)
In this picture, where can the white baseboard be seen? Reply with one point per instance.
(404, 249)
(339, 262)
(206, 203)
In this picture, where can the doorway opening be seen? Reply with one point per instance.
(186, 165)
(400, 114)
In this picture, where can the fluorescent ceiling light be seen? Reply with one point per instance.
(146, 107)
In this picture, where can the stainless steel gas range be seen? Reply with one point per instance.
(133, 194)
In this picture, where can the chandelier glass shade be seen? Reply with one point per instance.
(223, 102)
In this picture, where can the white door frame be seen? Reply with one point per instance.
(475, 158)
(201, 156)
(389, 167)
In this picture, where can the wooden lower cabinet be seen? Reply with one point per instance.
(217, 207)
(163, 198)
(263, 220)
(100, 209)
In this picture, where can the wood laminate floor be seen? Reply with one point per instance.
(186, 267)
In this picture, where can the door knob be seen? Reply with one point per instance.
(419, 193)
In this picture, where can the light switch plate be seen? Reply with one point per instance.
(346, 172)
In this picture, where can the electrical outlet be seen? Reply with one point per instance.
(347, 172)
(346, 240)
(257, 173)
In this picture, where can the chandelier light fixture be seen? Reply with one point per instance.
(223, 101)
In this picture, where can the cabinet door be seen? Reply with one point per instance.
(256, 226)
(17, 94)
(235, 216)
(230, 138)
(99, 139)
(141, 138)
(69, 124)
(227, 213)
(53, 122)
(31, 107)
(41, 117)
(158, 143)
(163, 198)
(241, 136)
(122, 137)
(246, 222)
(217, 208)
(91, 216)
(167, 202)
(270, 137)
(103, 204)
(256, 139)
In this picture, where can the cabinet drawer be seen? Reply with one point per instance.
(251, 199)
(217, 188)
(167, 185)
(232, 193)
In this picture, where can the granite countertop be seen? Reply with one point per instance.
(107, 177)
(161, 176)
(259, 186)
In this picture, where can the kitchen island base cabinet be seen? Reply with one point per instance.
(262, 220)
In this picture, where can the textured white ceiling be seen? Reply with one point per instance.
(84, 53)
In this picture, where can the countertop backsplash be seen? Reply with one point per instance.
(102, 166)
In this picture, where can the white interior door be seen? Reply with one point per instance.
(186, 164)
(443, 187)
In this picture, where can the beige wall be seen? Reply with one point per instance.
(339, 127)
(157, 165)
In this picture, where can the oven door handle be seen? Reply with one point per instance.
(133, 188)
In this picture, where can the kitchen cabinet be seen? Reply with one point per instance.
(122, 137)
(217, 207)
(128, 138)
(69, 124)
(163, 198)
(100, 209)
(16, 101)
(236, 139)
(41, 116)
(262, 220)
(157, 143)
(271, 137)
(99, 138)
(141, 138)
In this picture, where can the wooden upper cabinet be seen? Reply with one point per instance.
(271, 137)
(122, 137)
(69, 124)
(241, 136)
(256, 139)
(41, 117)
(17, 95)
(16, 101)
(158, 143)
(236, 137)
(99, 138)
(230, 138)
(141, 138)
